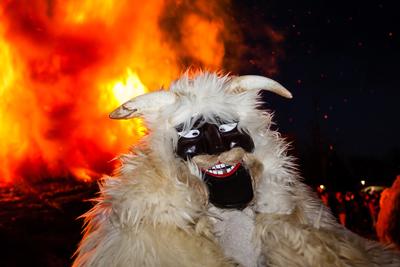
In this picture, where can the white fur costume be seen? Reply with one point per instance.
(155, 210)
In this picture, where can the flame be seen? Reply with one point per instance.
(9, 132)
(66, 64)
(208, 50)
(118, 92)
(131, 87)
(79, 12)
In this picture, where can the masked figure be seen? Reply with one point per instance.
(212, 185)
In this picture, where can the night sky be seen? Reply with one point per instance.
(340, 59)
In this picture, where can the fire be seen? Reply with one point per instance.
(116, 93)
(81, 11)
(207, 51)
(9, 133)
(66, 64)
(131, 87)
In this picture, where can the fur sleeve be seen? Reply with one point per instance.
(148, 218)
(291, 240)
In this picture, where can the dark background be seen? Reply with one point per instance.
(340, 59)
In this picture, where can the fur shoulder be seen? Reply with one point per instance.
(145, 217)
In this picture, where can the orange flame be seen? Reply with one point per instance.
(66, 64)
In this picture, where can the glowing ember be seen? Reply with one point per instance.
(66, 64)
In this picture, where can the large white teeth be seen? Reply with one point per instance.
(220, 169)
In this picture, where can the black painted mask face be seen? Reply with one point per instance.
(211, 139)
(229, 186)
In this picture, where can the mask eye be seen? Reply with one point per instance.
(224, 128)
(190, 134)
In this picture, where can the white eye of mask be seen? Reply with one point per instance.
(224, 128)
(190, 134)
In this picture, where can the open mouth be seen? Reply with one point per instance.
(222, 170)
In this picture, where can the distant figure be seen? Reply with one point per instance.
(373, 207)
(388, 225)
(341, 208)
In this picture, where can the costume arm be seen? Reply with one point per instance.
(132, 227)
(291, 240)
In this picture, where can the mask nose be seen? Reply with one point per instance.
(214, 142)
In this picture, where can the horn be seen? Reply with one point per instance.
(140, 105)
(251, 82)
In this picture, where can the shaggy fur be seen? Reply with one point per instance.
(154, 210)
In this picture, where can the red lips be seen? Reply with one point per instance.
(222, 170)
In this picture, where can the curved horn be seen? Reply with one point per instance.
(150, 102)
(251, 82)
